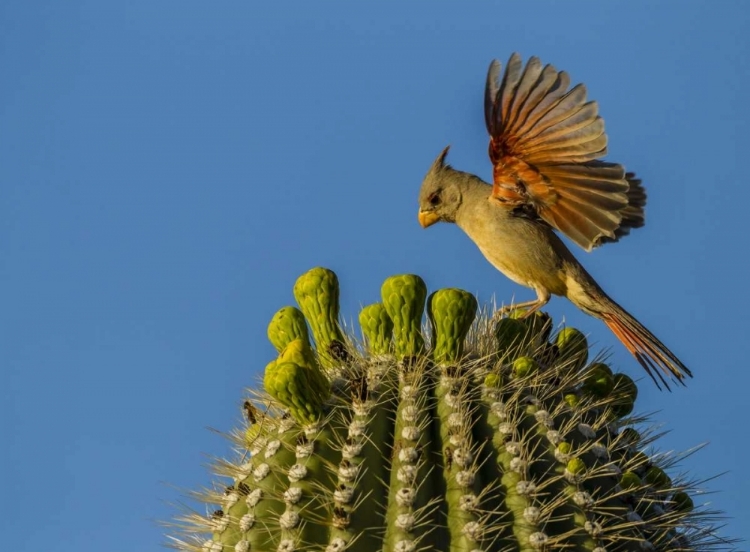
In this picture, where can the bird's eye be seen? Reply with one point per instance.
(434, 200)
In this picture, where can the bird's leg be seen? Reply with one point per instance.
(542, 298)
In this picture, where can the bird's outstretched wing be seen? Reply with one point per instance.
(546, 142)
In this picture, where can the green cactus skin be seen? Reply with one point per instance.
(451, 313)
(287, 325)
(362, 470)
(404, 298)
(377, 327)
(483, 442)
(409, 516)
(317, 293)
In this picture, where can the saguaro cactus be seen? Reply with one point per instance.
(473, 436)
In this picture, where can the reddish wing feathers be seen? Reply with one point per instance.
(545, 142)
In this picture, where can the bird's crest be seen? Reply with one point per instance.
(439, 162)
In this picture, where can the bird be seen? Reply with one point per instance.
(546, 147)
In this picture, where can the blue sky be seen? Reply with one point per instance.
(167, 170)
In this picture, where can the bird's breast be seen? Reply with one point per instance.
(519, 248)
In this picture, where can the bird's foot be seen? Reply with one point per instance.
(532, 307)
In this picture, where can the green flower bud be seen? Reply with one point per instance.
(656, 477)
(598, 381)
(572, 399)
(623, 394)
(493, 380)
(603, 367)
(295, 380)
(682, 502)
(317, 293)
(404, 298)
(451, 312)
(630, 480)
(294, 386)
(524, 366)
(510, 334)
(287, 325)
(573, 347)
(299, 353)
(564, 447)
(538, 324)
(377, 327)
(576, 466)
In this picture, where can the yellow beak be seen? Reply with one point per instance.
(427, 218)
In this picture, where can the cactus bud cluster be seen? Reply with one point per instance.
(464, 434)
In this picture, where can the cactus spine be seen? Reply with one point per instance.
(484, 437)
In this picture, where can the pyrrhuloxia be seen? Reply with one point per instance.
(545, 145)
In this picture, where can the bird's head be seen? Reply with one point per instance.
(440, 195)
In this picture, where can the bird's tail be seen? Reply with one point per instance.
(650, 353)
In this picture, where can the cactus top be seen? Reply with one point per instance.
(480, 436)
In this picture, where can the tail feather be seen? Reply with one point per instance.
(650, 353)
(643, 360)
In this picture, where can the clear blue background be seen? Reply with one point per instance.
(167, 170)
